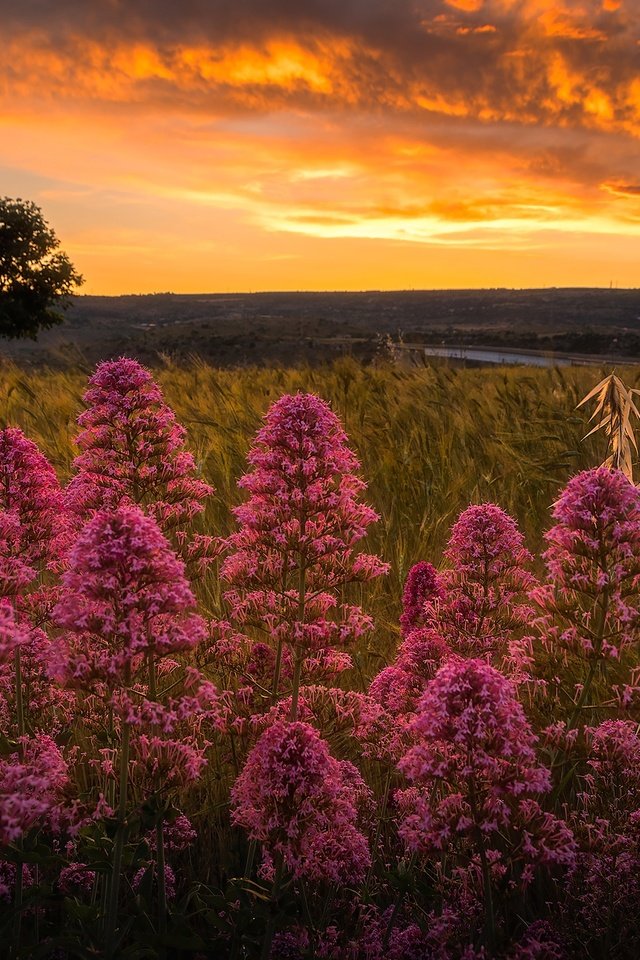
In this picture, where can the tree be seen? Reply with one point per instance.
(35, 276)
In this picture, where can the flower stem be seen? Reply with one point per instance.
(160, 859)
(114, 886)
(18, 889)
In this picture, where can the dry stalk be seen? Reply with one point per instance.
(615, 408)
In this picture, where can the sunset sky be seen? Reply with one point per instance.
(328, 144)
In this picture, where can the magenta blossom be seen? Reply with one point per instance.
(32, 786)
(302, 804)
(125, 595)
(476, 777)
(600, 905)
(591, 600)
(423, 584)
(486, 583)
(132, 450)
(297, 543)
(34, 525)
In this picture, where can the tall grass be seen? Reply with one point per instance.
(431, 440)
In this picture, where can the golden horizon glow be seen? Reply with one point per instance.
(432, 143)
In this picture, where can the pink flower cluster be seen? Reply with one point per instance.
(486, 582)
(296, 545)
(31, 504)
(476, 775)
(32, 786)
(423, 585)
(591, 600)
(302, 804)
(132, 450)
(604, 886)
(125, 595)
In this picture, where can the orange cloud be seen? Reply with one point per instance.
(469, 128)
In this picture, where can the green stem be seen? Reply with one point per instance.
(297, 670)
(489, 913)
(265, 953)
(18, 887)
(295, 694)
(114, 887)
(19, 700)
(276, 674)
(160, 859)
(376, 839)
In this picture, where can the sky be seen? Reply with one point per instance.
(328, 144)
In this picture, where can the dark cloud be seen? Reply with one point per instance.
(520, 61)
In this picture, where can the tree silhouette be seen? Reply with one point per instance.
(36, 277)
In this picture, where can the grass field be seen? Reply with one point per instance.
(431, 440)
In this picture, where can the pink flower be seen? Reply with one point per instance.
(125, 594)
(8, 879)
(600, 900)
(423, 584)
(302, 804)
(485, 583)
(132, 450)
(150, 871)
(32, 784)
(31, 496)
(76, 879)
(591, 601)
(475, 772)
(12, 634)
(297, 543)
(46, 706)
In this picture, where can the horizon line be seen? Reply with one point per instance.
(367, 290)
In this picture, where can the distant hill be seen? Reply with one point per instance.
(288, 328)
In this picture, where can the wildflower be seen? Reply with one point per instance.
(475, 772)
(423, 585)
(32, 784)
(30, 494)
(599, 909)
(486, 583)
(591, 601)
(297, 542)
(150, 870)
(302, 804)
(76, 879)
(132, 450)
(125, 595)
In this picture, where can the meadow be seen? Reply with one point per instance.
(375, 871)
(431, 440)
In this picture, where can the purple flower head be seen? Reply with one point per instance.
(302, 804)
(474, 768)
(132, 450)
(32, 785)
(486, 583)
(32, 502)
(125, 594)
(296, 546)
(423, 584)
(591, 600)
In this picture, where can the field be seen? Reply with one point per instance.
(430, 441)
(315, 328)
(524, 837)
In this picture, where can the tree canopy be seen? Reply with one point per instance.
(36, 277)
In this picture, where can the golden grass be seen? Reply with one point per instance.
(618, 413)
(431, 440)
